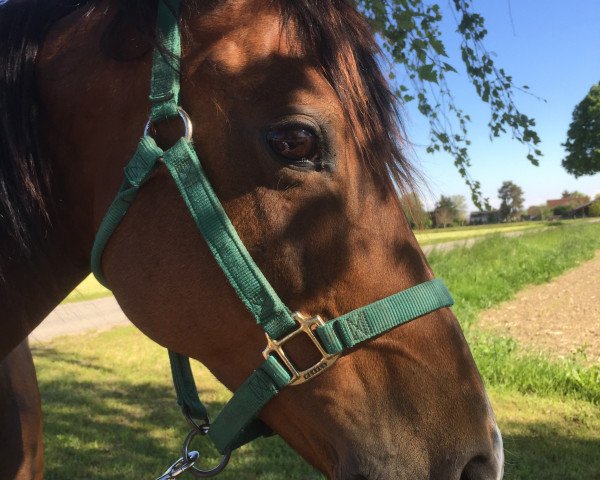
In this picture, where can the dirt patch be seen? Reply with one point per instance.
(560, 317)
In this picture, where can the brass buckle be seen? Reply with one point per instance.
(308, 325)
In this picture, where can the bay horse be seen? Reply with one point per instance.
(300, 139)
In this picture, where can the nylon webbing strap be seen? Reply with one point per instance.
(230, 253)
(367, 322)
(137, 172)
(185, 387)
(237, 420)
(164, 87)
(237, 423)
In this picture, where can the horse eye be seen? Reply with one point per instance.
(295, 144)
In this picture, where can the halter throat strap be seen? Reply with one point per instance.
(238, 422)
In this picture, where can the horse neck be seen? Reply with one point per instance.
(33, 285)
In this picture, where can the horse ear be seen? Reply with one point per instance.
(125, 38)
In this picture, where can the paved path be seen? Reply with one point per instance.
(79, 317)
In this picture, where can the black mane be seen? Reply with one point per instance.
(25, 178)
(25, 173)
(330, 30)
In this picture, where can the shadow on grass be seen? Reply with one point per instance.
(108, 428)
(119, 430)
(544, 452)
(50, 354)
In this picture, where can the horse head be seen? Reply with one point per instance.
(299, 136)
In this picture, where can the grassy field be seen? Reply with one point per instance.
(442, 235)
(110, 411)
(89, 289)
(494, 269)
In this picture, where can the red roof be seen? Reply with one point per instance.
(559, 202)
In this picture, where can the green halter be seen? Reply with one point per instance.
(238, 422)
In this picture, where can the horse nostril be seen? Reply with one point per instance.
(474, 469)
(482, 468)
(488, 466)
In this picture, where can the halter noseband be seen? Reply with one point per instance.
(238, 422)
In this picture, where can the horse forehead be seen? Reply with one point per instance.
(261, 43)
(265, 70)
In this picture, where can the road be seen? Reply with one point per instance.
(79, 317)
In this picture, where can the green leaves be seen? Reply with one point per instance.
(427, 73)
(410, 30)
(583, 137)
(511, 197)
(404, 20)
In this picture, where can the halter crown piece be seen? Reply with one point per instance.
(238, 422)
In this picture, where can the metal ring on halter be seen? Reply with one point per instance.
(187, 124)
(203, 473)
(201, 429)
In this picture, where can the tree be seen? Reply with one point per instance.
(561, 210)
(545, 212)
(445, 212)
(511, 197)
(576, 199)
(539, 212)
(583, 137)
(461, 208)
(409, 31)
(595, 208)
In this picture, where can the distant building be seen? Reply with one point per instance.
(568, 201)
(559, 202)
(570, 206)
(581, 211)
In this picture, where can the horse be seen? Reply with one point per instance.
(301, 140)
(21, 419)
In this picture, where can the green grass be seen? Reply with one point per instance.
(504, 365)
(110, 413)
(548, 438)
(495, 268)
(89, 289)
(442, 235)
(492, 271)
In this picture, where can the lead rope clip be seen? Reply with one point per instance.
(180, 466)
(189, 457)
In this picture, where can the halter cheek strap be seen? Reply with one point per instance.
(238, 422)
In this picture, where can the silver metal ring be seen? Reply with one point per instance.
(202, 429)
(197, 471)
(187, 124)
